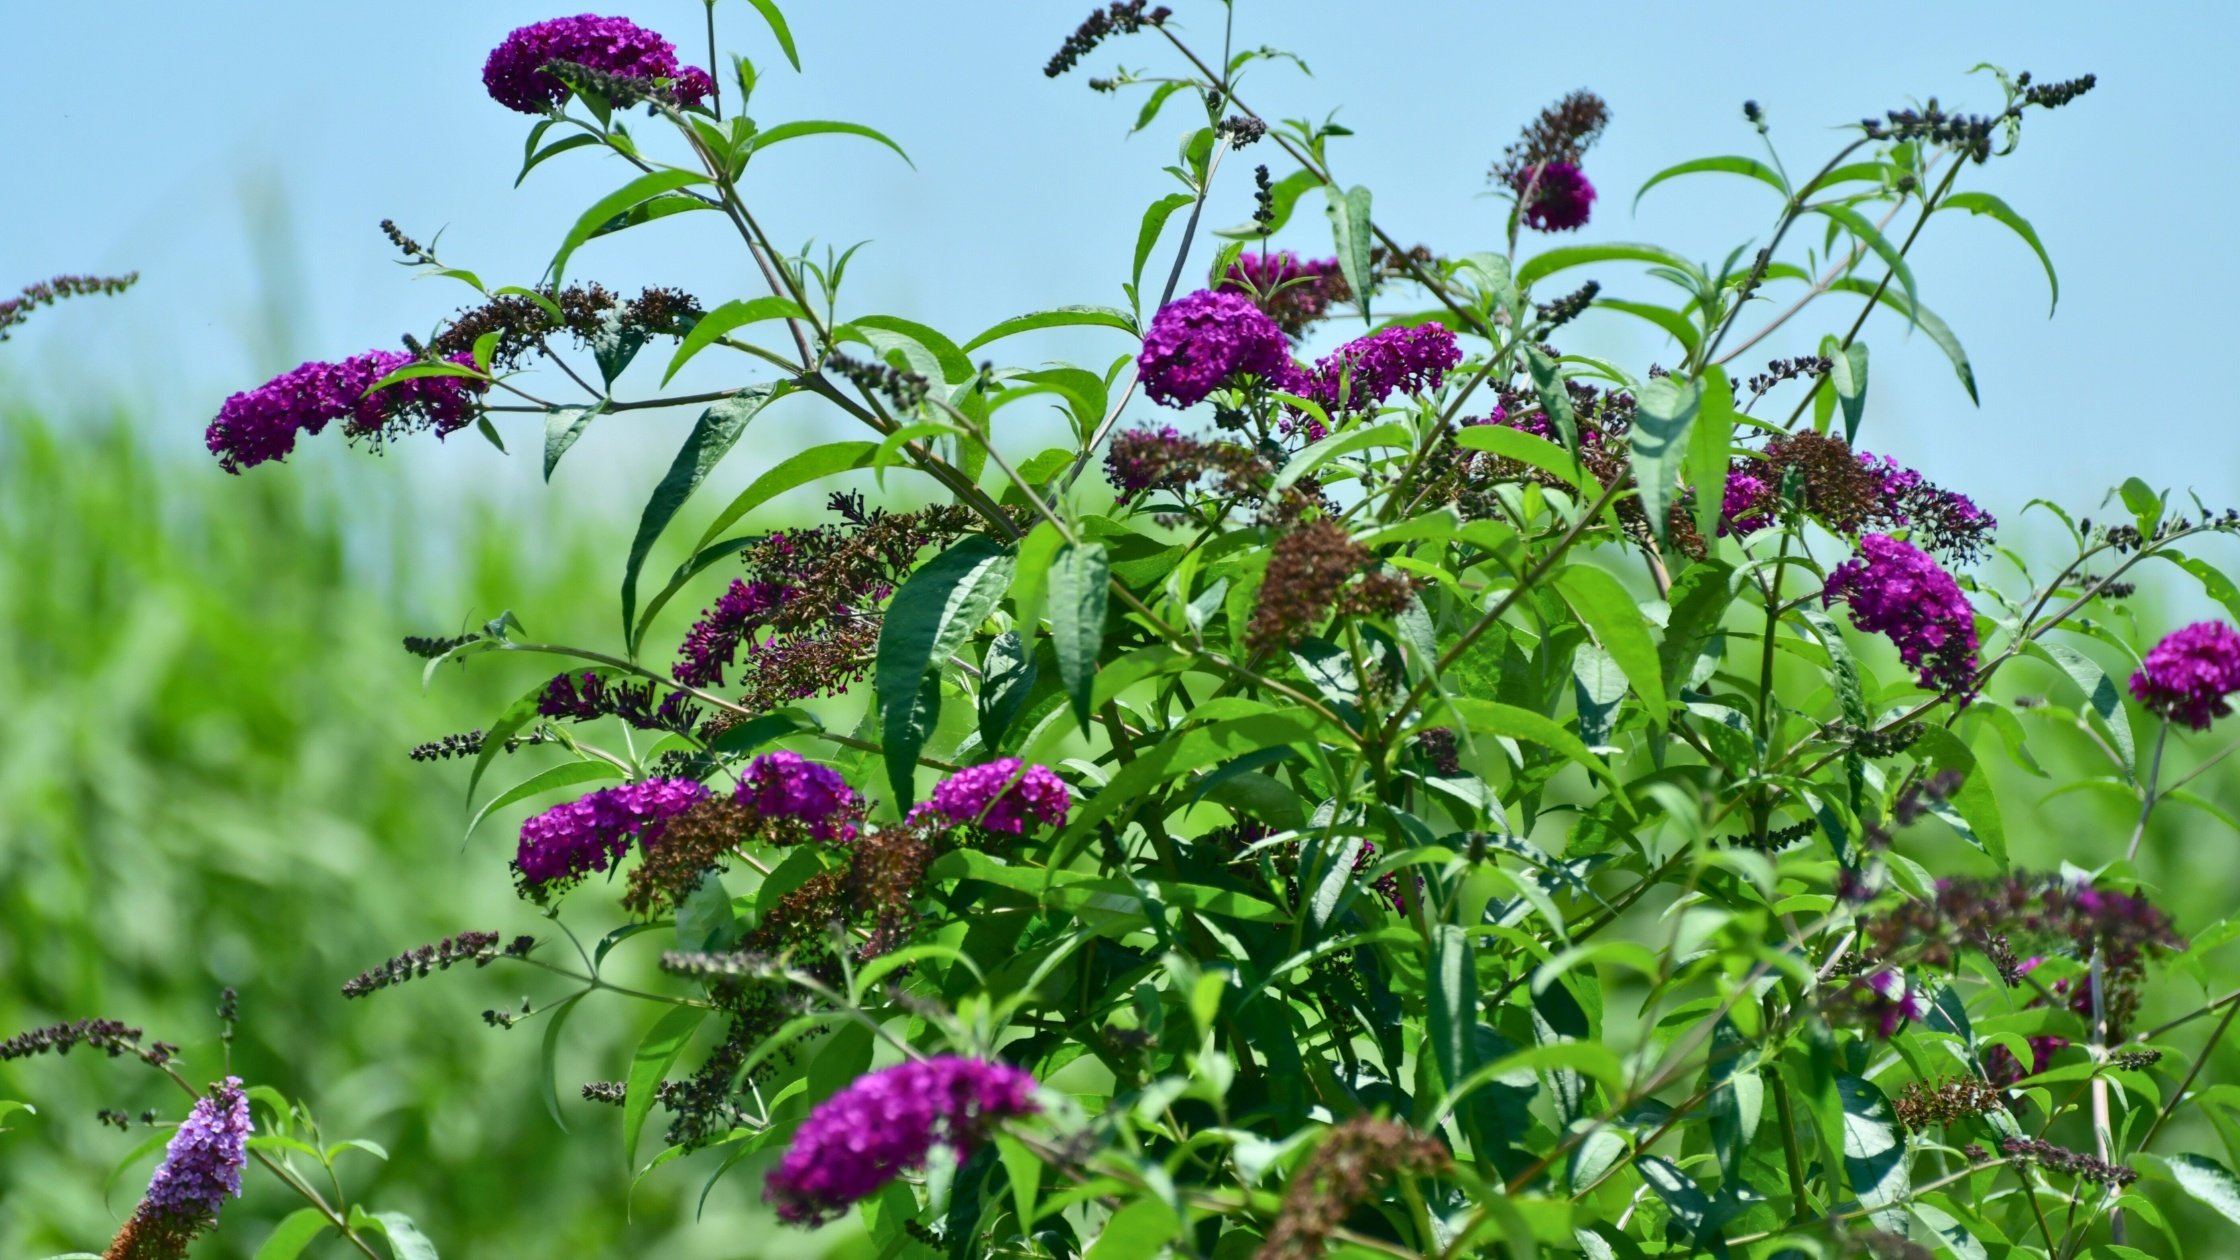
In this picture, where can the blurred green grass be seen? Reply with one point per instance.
(203, 782)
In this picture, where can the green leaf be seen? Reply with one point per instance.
(1682, 329)
(643, 188)
(422, 371)
(1986, 204)
(1285, 195)
(536, 157)
(1617, 623)
(1974, 801)
(2214, 582)
(1691, 1207)
(725, 318)
(1711, 452)
(1451, 1020)
(1849, 379)
(1547, 381)
(1525, 448)
(769, 11)
(564, 775)
(711, 439)
(1491, 717)
(507, 724)
(1874, 1153)
(1698, 599)
(1007, 678)
(1349, 227)
(2101, 697)
(1080, 582)
(1926, 320)
(406, 1242)
(1856, 224)
(548, 1053)
(1062, 317)
(931, 616)
(1728, 165)
(1138, 1231)
(1737, 1106)
(2208, 1181)
(799, 470)
(819, 127)
(1354, 236)
(1667, 411)
(562, 426)
(293, 1234)
(935, 356)
(656, 1053)
(1548, 262)
(1155, 218)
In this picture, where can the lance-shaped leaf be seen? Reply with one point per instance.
(1349, 227)
(712, 437)
(1666, 412)
(930, 619)
(1080, 580)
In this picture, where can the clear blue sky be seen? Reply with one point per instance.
(239, 155)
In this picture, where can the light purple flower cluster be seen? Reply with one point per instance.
(785, 784)
(261, 424)
(2187, 676)
(1897, 591)
(888, 1123)
(515, 73)
(1364, 372)
(563, 844)
(1558, 197)
(1200, 342)
(202, 1165)
(1002, 796)
(712, 645)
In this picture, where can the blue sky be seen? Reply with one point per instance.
(240, 155)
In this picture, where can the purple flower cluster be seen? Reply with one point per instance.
(1851, 492)
(712, 644)
(1556, 196)
(1364, 372)
(202, 1165)
(515, 73)
(1897, 591)
(1200, 342)
(888, 1123)
(261, 424)
(784, 784)
(588, 696)
(2187, 676)
(567, 842)
(1001, 796)
(1748, 504)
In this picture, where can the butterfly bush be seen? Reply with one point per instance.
(1390, 761)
